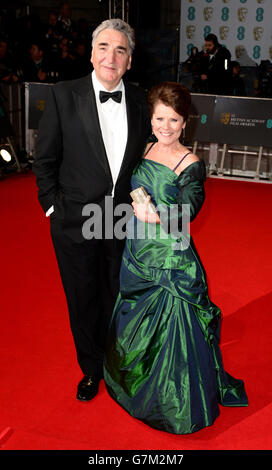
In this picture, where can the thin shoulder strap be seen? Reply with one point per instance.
(149, 149)
(184, 156)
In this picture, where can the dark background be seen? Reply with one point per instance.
(156, 24)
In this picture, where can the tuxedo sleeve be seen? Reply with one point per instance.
(49, 152)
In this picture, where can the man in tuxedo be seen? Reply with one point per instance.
(89, 143)
(214, 67)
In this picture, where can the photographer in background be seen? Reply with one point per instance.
(36, 67)
(66, 60)
(192, 66)
(65, 24)
(214, 69)
(237, 85)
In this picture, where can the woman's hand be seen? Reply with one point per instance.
(142, 213)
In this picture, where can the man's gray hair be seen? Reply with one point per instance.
(118, 25)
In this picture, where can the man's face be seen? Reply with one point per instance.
(52, 20)
(236, 70)
(66, 11)
(35, 52)
(110, 57)
(209, 46)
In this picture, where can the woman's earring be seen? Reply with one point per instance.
(182, 135)
(153, 137)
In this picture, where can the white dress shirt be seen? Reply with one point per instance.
(113, 124)
(114, 128)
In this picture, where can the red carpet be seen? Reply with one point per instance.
(39, 373)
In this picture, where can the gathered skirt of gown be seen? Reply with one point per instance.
(163, 362)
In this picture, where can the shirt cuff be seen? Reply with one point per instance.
(50, 210)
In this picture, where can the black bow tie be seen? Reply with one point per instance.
(115, 95)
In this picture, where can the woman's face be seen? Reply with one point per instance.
(167, 125)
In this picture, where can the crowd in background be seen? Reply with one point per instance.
(212, 70)
(36, 51)
(59, 49)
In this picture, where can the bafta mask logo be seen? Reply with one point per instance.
(258, 32)
(190, 31)
(191, 1)
(239, 51)
(40, 104)
(208, 12)
(225, 1)
(270, 52)
(223, 32)
(242, 14)
(225, 118)
(260, 1)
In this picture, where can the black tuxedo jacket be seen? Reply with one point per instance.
(71, 165)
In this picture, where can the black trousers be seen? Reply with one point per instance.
(90, 276)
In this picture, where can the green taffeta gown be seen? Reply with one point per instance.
(163, 363)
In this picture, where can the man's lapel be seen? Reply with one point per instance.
(134, 120)
(86, 107)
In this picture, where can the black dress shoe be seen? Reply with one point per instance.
(88, 387)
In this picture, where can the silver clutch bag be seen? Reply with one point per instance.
(139, 196)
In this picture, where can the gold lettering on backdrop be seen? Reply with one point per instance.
(208, 12)
(239, 51)
(242, 14)
(40, 105)
(225, 118)
(258, 32)
(223, 32)
(190, 31)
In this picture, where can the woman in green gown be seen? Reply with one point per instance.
(163, 363)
